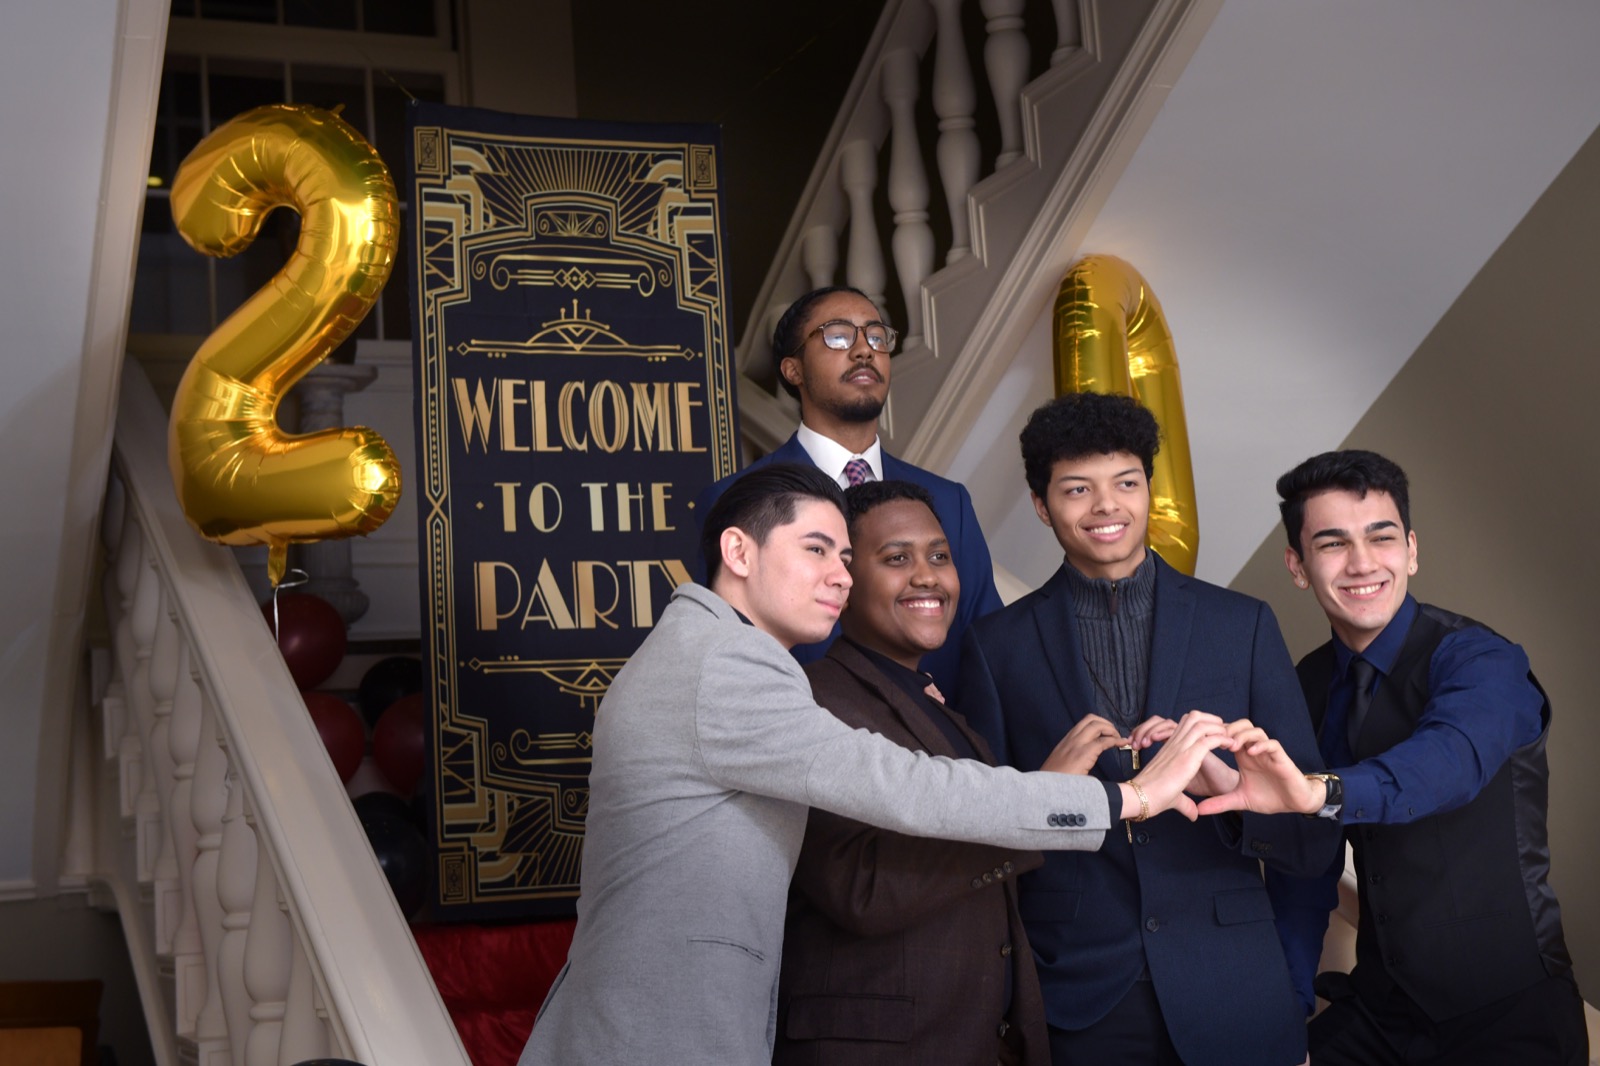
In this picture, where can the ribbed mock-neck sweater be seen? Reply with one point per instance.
(1116, 623)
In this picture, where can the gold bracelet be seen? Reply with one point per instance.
(1144, 801)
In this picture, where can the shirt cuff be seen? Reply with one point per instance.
(1114, 800)
(1363, 799)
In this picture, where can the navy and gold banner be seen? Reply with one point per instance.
(574, 393)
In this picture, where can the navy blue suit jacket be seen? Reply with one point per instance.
(1185, 899)
(970, 551)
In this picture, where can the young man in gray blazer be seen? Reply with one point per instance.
(708, 753)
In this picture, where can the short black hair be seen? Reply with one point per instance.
(1086, 423)
(787, 336)
(759, 502)
(859, 499)
(1351, 470)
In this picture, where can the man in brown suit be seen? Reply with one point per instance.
(902, 949)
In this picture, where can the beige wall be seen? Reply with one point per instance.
(1492, 419)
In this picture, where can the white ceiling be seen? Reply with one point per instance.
(1322, 182)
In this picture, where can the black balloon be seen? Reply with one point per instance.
(403, 854)
(386, 681)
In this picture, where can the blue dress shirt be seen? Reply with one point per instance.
(1481, 707)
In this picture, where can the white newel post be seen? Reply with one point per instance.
(908, 187)
(955, 102)
(1005, 58)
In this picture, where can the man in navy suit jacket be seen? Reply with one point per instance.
(834, 352)
(1160, 948)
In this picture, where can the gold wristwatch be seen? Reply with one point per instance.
(1333, 802)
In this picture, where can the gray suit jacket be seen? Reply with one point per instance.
(708, 750)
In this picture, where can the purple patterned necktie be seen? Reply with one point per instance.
(857, 472)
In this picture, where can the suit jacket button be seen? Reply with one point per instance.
(1007, 867)
(1151, 924)
(1141, 838)
(1053, 820)
(977, 882)
(1082, 819)
(988, 879)
(999, 874)
(1005, 951)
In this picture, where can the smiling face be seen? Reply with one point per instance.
(794, 584)
(906, 586)
(1356, 558)
(1098, 506)
(847, 387)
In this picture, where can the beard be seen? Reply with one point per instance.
(862, 410)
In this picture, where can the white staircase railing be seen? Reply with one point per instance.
(262, 930)
(1059, 133)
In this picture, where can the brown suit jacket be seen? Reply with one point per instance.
(896, 948)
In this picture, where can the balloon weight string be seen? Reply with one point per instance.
(291, 579)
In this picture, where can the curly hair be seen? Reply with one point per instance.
(1079, 424)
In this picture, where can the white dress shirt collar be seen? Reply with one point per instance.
(830, 456)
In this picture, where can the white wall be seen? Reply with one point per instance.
(56, 73)
(1322, 182)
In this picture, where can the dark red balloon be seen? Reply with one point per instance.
(310, 635)
(398, 743)
(342, 731)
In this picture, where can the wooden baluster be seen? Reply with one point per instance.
(236, 884)
(1005, 58)
(1069, 30)
(954, 101)
(305, 1029)
(858, 174)
(908, 187)
(819, 253)
(266, 958)
(209, 805)
(166, 662)
(183, 740)
(137, 801)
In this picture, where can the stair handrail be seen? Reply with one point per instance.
(369, 982)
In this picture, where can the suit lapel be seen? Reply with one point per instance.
(1169, 646)
(913, 718)
(1058, 641)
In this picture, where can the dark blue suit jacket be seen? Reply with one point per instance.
(1185, 899)
(971, 553)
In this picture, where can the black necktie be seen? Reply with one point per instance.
(1361, 675)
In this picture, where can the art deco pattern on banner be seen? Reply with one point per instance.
(574, 394)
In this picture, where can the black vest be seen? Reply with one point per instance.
(1456, 908)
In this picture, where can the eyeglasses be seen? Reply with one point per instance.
(840, 335)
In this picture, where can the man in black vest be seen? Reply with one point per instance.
(1435, 732)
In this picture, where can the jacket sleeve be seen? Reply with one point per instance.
(872, 881)
(1291, 843)
(758, 730)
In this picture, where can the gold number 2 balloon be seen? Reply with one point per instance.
(240, 479)
(1110, 337)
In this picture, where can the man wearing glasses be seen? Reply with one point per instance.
(833, 350)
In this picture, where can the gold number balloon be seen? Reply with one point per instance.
(1111, 337)
(240, 479)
